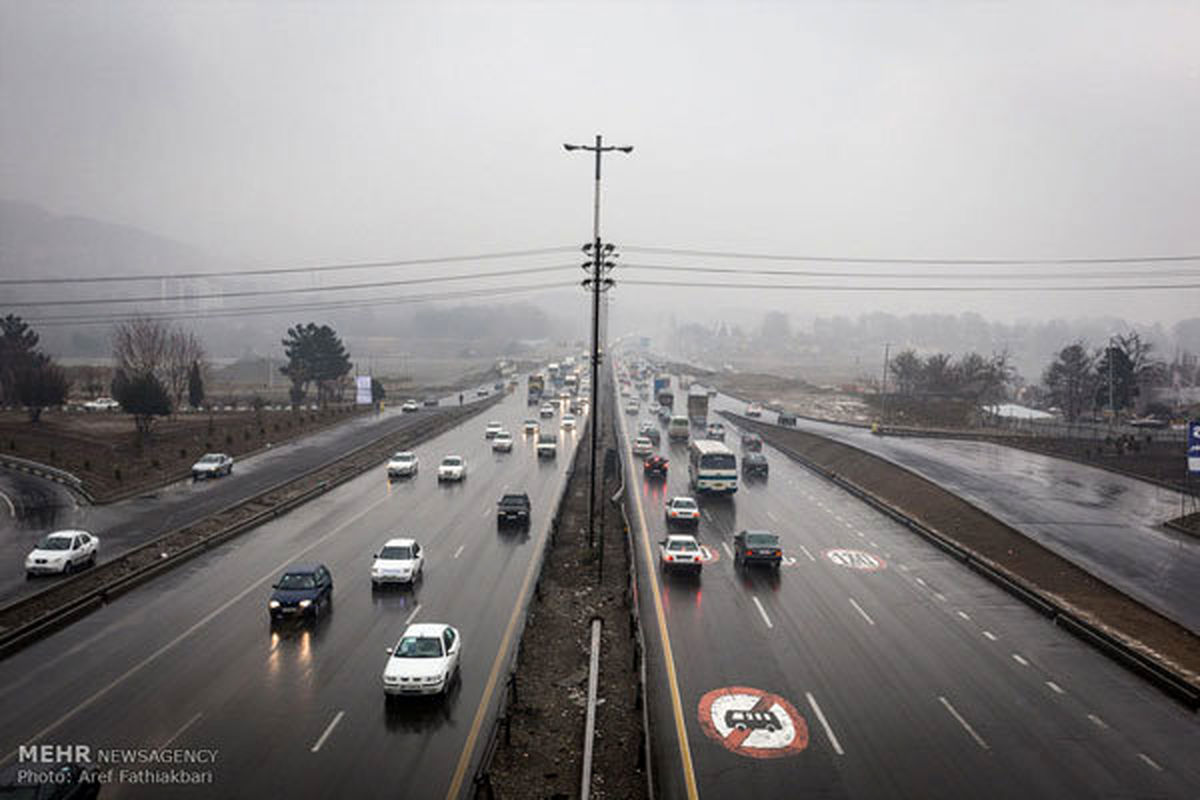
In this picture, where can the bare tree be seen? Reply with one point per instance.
(144, 346)
(183, 351)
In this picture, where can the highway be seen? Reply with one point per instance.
(1106, 523)
(190, 660)
(128, 523)
(892, 670)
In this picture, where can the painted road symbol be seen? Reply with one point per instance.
(856, 559)
(708, 555)
(788, 561)
(753, 723)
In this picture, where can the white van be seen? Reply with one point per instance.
(677, 428)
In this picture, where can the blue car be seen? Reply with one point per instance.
(303, 591)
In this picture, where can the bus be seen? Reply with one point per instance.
(712, 467)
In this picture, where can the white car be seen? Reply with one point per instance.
(547, 410)
(531, 426)
(452, 468)
(683, 510)
(424, 661)
(410, 406)
(642, 446)
(62, 552)
(492, 429)
(680, 552)
(403, 465)
(633, 407)
(211, 465)
(716, 431)
(568, 421)
(502, 441)
(754, 410)
(399, 561)
(102, 404)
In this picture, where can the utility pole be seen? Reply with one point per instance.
(883, 412)
(597, 283)
(1112, 408)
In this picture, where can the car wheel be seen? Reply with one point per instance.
(28, 576)
(92, 560)
(68, 568)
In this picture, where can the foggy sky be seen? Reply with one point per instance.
(292, 133)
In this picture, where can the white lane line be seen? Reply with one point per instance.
(1017, 658)
(772, 515)
(488, 511)
(810, 555)
(1055, 687)
(903, 567)
(875, 544)
(179, 732)
(762, 611)
(707, 515)
(966, 725)
(963, 614)
(850, 525)
(12, 511)
(991, 637)
(728, 549)
(920, 581)
(1149, 761)
(860, 610)
(458, 552)
(861, 535)
(840, 518)
(413, 614)
(237, 598)
(336, 719)
(1099, 722)
(833, 740)
(940, 596)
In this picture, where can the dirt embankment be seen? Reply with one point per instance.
(993, 541)
(542, 757)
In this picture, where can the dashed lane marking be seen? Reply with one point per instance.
(1147, 759)
(458, 552)
(1098, 722)
(412, 614)
(179, 732)
(966, 725)
(810, 555)
(1020, 660)
(773, 516)
(940, 596)
(333, 724)
(762, 611)
(1054, 687)
(728, 549)
(964, 615)
(833, 740)
(859, 609)
(991, 637)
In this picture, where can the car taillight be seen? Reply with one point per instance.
(670, 558)
(749, 552)
(778, 552)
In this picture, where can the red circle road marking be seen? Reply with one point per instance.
(709, 555)
(856, 559)
(751, 722)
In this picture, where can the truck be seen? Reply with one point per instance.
(662, 391)
(537, 385)
(513, 508)
(697, 406)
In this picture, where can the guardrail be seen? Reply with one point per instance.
(82, 593)
(44, 471)
(1166, 679)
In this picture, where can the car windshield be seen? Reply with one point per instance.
(419, 647)
(210, 459)
(55, 543)
(718, 461)
(686, 505)
(297, 580)
(396, 553)
(683, 544)
(762, 539)
(546, 438)
(502, 436)
(451, 461)
(403, 457)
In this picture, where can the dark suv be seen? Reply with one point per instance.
(757, 547)
(304, 590)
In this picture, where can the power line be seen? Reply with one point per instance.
(1163, 259)
(838, 288)
(294, 290)
(292, 308)
(1183, 273)
(408, 262)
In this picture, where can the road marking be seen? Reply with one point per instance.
(966, 725)
(762, 611)
(1055, 687)
(839, 518)
(728, 549)
(707, 516)
(209, 617)
(1149, 761)
(833, 740)
(964, 615)
(991, 637)
(413, 614)
(458, 552)
(1099, 722)
(861, 535)
(860, 610)
(488, 511)
(940, 596)
(849, 525)
(12, 511)
(685, 750)
(920, 581)
(771, 514)
(903, 567)
(1017, 658)
(336, 719)
(874, 543)
(810, 555)
(179, 732)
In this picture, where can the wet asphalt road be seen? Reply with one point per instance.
(129, 523)
(1108, 524)
(915, 678)
(191, 660)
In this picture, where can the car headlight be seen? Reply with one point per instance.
(305, 603)
(273, 604)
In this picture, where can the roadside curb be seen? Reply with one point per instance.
(48, 473)
(1163, 677)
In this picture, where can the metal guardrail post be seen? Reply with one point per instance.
(589, 726)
